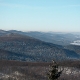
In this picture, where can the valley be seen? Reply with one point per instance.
(27, 48)
(28, 55)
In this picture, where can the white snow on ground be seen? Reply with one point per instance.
(13, 75)
(66, 70)
(71, 71)
(77, 42)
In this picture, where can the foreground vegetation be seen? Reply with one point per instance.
(17, 70)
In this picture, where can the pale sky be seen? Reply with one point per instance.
(40, 15)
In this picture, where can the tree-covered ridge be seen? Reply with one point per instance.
(32, 49)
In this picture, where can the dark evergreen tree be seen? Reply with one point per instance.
(54, 73)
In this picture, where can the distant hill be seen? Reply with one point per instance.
(8, 55)
(58, 38)
(55, 38)
(2, 32)
(75, 48)
(22, 47)
(52, 37)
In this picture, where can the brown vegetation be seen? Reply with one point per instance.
(16, 70)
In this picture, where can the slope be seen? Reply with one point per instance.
(34, 49)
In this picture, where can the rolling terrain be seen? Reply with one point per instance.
(27, 48)
(26, 57)
(58, 38)
(75, 48)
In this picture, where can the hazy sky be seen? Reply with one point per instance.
(40, 15)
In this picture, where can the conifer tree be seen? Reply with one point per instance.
(54, 74)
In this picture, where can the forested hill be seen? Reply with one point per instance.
(58, 38)
(30, 49)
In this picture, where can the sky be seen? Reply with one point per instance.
(40, 15)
